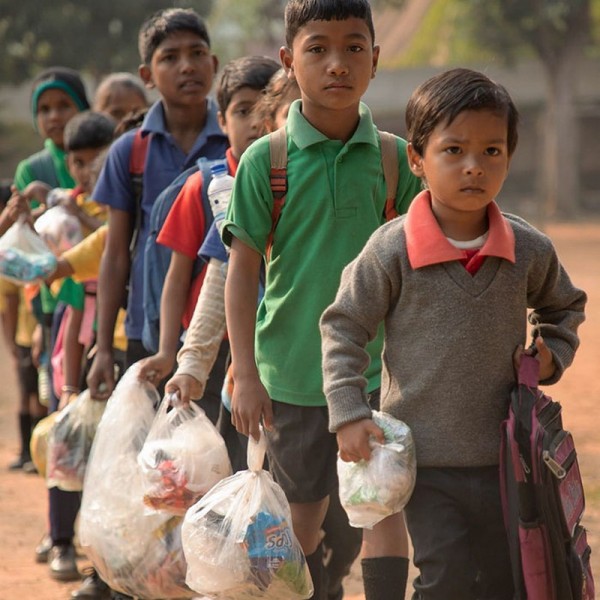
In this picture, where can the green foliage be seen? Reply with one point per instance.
(444, 38)
(97, 37)
(457, 32)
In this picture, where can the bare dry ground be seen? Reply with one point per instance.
(23, 497)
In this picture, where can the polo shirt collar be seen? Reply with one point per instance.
(155, 122)
(304, 134)
(427, 245)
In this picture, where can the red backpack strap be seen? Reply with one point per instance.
(389, 163)
(278, 178)
(137, 164)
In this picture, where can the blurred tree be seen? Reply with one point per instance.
(96, 37)
(558, 32)
(241, 27)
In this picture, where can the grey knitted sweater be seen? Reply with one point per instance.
(449, 339)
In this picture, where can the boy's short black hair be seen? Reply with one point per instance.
(164, 23)
(299, 12)
(443, 97)
(253, 72)
(89, 129)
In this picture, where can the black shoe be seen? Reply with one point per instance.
(61, 561)
(19, 462)
(92, 588)
(42, 550)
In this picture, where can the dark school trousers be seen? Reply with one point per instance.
(455, 522)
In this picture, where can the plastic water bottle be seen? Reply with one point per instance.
(219, 191)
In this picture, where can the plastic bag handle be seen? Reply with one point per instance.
(256, 452)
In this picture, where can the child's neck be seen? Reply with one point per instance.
(335, 124)
(185, 126)
(463, 230)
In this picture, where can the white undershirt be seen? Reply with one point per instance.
(470, 244)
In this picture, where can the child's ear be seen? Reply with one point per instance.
(287, 61)
(415, 160)
(375, 61)
(222, 122)
(146, 75)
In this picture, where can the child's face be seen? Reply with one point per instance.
(119, 101)
(81, 164)
(182, 69)
(239, 122)
(464, 164)
(333, 63)
(54, 110)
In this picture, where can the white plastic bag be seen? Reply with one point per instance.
(182, 458)
(24, 256)
(238, 540)
(134, 552)
(375, 489)
(70, 441)
(59, 229)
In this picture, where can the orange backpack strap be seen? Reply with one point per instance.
(278, 177)
(389, 162)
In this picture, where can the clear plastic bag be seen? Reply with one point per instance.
(59, 229)
(375, 489)
(38, 445)
(24, 256)
(182, 458)
(136, 553)
(238, 539)
(70, 442)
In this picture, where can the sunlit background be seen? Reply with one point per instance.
(546, 52)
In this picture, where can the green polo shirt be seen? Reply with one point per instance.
(335, 200)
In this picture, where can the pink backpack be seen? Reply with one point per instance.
(542, 497)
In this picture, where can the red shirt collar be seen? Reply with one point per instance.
(232, 162)
(427, 245)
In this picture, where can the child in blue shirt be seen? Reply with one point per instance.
(182, 126)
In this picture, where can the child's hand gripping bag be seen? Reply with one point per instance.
(59, 229)
(135, 553)
(374, 489)
(70, 442)
(182, 458)
(24, 256)
(238, 539)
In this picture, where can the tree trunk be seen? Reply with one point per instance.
(561, 174)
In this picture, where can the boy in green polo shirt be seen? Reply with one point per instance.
(335, 200)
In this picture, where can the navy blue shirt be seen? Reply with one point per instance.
(164, 161)
(213, 246)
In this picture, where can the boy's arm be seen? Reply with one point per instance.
(73, 353)
(204, 336)
(347, 326)
(250, 401)
(112, 281)
(172, 304)
(558, 311)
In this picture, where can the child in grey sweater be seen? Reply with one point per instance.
(452, 282)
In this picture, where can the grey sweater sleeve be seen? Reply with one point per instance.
(558, 306)
(347, 326)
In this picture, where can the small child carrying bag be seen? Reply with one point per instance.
(542, 497)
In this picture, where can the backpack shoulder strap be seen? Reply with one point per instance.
(137, 164)
(278, 179)
(389, 162)
(204, 166)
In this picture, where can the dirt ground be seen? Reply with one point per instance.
(23, 497)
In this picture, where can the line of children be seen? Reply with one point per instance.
(335, 200)
(452, 283)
